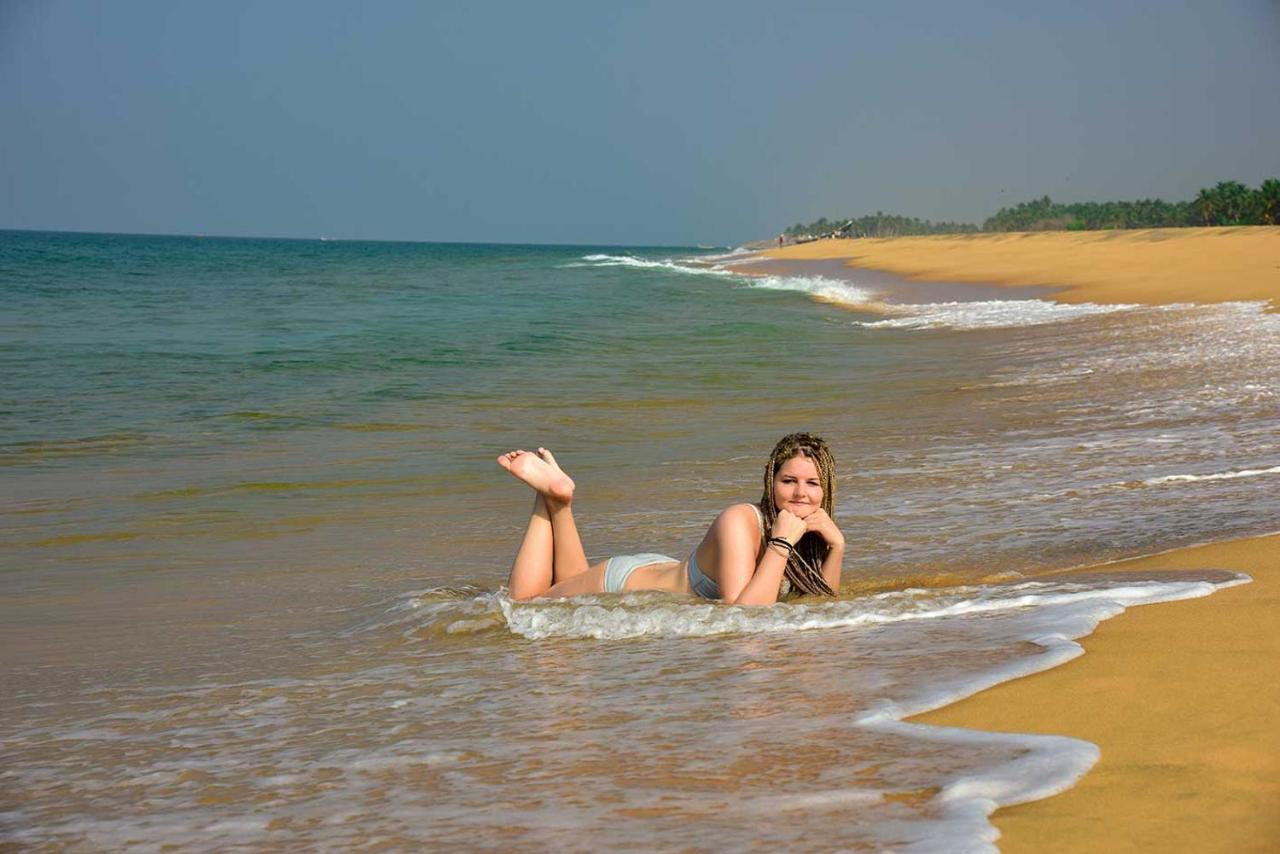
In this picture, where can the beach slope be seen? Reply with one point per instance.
(1184, 702)
(1149, 266)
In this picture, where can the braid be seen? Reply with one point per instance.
(803, 572)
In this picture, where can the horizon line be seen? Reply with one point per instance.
(327, 239)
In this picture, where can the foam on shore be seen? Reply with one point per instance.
(959, 315)
(667, 264)
(1057, 606)
(988, 314)
(1181, 702)
(1049, 614)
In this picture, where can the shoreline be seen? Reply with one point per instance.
(1181, 698)
(1147, 266)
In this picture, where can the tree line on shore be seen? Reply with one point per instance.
(1227, 203)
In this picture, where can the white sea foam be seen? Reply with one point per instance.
(600, 260)
(636, 615)
(832, 799)
(261, 735)
(739, 255)
(820, 287)
(1158, 481)
(965, 315)
(1045, 765)
(1225, 475)
(987, 314)
(1052, 614)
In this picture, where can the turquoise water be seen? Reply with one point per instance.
(250, 486)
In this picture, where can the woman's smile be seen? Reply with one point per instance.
(797, 487)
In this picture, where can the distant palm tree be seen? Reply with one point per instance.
(1268, 201)
(1208, 206)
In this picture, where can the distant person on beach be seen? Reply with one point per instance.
(752, 554)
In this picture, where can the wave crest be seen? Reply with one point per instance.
(988, 314)
(651, 614)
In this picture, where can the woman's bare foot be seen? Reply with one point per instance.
(550, 460)
(541, 472)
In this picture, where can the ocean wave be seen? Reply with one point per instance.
(406, 720)
(960, 315)
(987, 314)
(651, 614)
(602, 621)
(818, 287)
(600, 260)
(1050, 614)
(740, 255)
(1135, 483)
(1192, 478)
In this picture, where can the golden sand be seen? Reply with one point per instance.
(1184, 701)
(1151, 266)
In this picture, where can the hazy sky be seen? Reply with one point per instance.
(600, 122)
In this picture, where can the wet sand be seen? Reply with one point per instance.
(1184, 702)
(1150, 266)
(1182, 698)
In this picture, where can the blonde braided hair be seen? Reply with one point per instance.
(804, 566)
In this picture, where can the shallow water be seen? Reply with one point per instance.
(632, 720)
(253, 539)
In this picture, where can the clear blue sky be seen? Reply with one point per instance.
(597, 122)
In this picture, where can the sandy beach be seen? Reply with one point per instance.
(1149, 267)
(1181, 698)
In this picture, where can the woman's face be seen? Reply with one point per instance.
(797, 486)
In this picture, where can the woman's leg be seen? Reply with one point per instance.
(569, 558)
(531, 572)
(551, 551)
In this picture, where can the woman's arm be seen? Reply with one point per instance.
(823, 525)
(832, 565)
(762, 589)
(743, 579)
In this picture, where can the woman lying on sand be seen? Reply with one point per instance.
(736, 561)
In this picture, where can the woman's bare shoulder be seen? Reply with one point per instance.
(740, 515)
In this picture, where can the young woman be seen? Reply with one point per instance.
(751, 555)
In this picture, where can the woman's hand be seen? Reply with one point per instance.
(820, 523)
(789, 526)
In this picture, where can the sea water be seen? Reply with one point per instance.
(254, 539)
